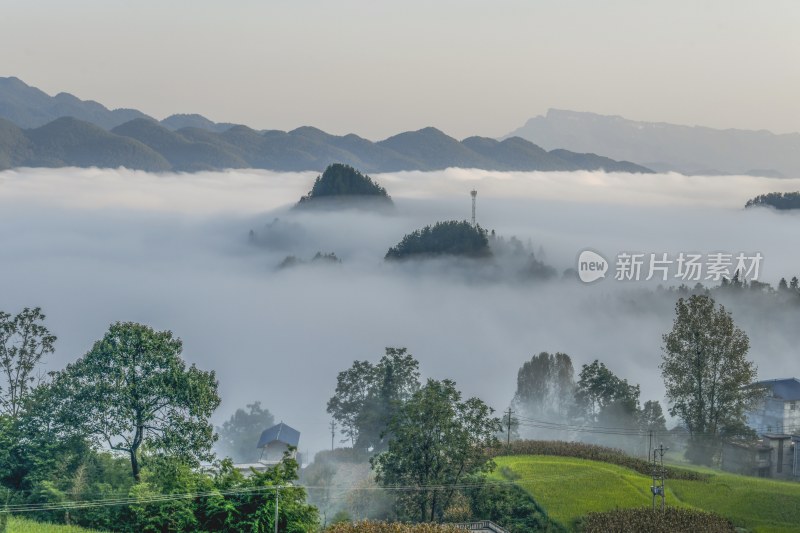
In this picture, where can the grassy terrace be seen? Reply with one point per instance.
(569, 488)
(21, 525)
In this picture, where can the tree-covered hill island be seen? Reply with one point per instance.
(451, 238)
(777, 200)
(342, 184)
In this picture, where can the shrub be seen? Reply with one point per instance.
(390, 527)
(593, 452)
(670, 520)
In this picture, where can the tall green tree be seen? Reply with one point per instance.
(367, 395)
(438, 441)
(600, 391)
(133, 391)
(239, 435)
(24, 340)
(546, 386)
(706, 371)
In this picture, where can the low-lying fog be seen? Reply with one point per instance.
(96, 246)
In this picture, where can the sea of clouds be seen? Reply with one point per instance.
(94, 246)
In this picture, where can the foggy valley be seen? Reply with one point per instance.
(95, 246)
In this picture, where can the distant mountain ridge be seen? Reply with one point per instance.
(29, 107)
(667, 147)
(62, 130)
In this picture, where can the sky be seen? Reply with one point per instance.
(468, 67)
(92, 247)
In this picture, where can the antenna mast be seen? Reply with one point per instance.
(473, 193)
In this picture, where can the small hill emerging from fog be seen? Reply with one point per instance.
(450, 238)
(777, 200)
(342, 185)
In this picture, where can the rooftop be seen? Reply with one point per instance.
(786, 389)
(279, 433)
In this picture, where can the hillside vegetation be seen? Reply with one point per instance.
(343, 182)
(569, 488)
(452, 238)
(777, 200)
(22, 525)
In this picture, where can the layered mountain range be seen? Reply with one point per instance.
(38, 130)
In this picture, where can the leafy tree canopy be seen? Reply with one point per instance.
(437, 440)
(133, 391)
(705, 369)
(24, 340)
(443, 238)
(367, 395)
(546, 386)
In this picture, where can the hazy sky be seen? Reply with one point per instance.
(376, 68)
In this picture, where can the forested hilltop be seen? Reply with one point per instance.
(777, 200)
(343, 182)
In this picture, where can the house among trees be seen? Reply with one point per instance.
(276, 441)
(779, 411)
(776, 420)
(775, 455)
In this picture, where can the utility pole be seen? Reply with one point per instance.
(277, 500)
(508, 428)
(657, 488)
(333, 432)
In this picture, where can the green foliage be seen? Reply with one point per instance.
(648, 520)
(786, 200)
(436, 440)
(23, 525)
(239, 434)
(367, 396)
(389, 527)
(570, 488)
(546, 386)
(24, 340)
(132, 390)
(593, 452)
(343, 180)
(599, 390)
(706, 372)
(443, 238)
(510, 507)
(651, 417)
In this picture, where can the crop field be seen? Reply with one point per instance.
(569, 488)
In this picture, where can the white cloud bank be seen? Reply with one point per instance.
(95, 246)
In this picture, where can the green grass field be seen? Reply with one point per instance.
(569, 488)
(20, 525)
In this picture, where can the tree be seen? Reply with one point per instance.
(706, 371)
(437, 442)
(24, 340)
(367, 395)
(546, 386)
(239, 435)
(132, 391)
(600, 390)
(651, 417)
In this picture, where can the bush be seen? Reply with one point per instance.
(390, 527)
(512, 508)
(670, 520)
(593, 452)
